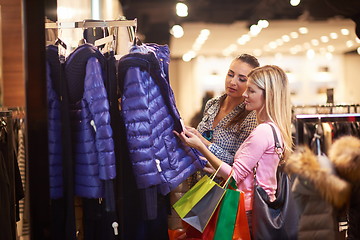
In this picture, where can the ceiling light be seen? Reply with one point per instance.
(310, 54)
(241, 41)
(263, 23)
(272, 45)
(349, 43)
(358, 50)
(333, 35)
(293, 51)
(188, 56)
(279, 42)
(331, 48)
(299, 48)
(255, 30)
(181, 9)
(294, 35)
(303, 30)
(315, 42)
(286, 38)
(345, 31)
(294, 3)
(324, 39)
(205, 32)
(177, 31)
(357, 40)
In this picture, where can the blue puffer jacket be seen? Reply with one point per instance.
(150, 115)
(92, 143)
(54, 124)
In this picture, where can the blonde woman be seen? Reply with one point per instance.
(267, 93)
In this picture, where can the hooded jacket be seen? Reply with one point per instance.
(319, 194)
(158, 157)
(91, 134)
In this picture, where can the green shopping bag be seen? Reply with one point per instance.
(232, 222)
(197, 205)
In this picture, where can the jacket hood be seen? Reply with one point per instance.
(304, 163)
(345, 156)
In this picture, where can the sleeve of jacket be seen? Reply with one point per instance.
(96, 97)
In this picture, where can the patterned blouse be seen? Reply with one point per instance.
(225, 141)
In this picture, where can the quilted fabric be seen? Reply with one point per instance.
(158, 156)
(92, 143)
(54, 124)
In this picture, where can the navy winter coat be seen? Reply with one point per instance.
(92, 143)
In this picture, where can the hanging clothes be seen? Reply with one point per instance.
(150, 115)
(11, 191)
(80, 141)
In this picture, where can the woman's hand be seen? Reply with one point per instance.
(209, 168)
(196, 132)
(190, 139)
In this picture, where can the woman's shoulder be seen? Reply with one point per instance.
(263, 127)
(215, 101)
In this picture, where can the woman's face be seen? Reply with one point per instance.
(254, 97)
(235, 82)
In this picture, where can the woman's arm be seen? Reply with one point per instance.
(194, 141)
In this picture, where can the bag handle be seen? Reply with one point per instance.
(227, 180)
(212, 176)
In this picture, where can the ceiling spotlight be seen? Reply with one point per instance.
(294, 35)
(188, 56)
(349, 43)
(294, 3)
(310, 54)
(315, 42)
(263, 23)
(255, 30)
(177, 31)
(345, 31)
(324, 39)
(286, 38)
(333, 35)
(181, 9)
(303, 30)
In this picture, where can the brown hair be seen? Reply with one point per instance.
(239, 117)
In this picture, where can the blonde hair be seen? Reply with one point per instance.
(274, 82)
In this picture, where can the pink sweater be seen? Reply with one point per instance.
(258, 147)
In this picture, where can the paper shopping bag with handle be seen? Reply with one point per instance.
(232, 222)
(197, 205)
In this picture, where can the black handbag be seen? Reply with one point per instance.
(277, 219)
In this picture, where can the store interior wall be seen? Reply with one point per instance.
(12, 62)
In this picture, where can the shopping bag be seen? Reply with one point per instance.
(207, 234)
(232, 222)
(197, 206)
(241, 230)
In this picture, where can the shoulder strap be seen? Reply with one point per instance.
(278, 148)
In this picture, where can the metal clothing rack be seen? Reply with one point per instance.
(131, 26)
(328, 108)
(93, 24)
(302, 119)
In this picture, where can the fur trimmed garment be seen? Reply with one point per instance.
(319, 194)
